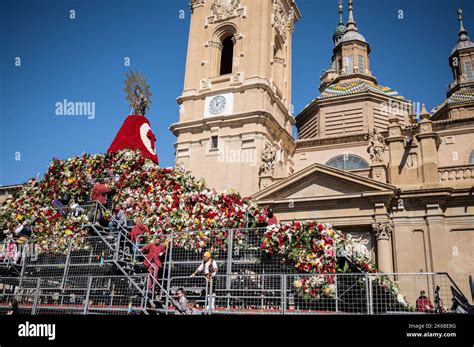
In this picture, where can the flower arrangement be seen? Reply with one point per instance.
(315, 287)
(318, 248)
(312, 247)
(167, 199)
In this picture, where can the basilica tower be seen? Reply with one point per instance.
(235, 124)
(460, 97)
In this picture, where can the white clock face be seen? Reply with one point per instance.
(217, 104)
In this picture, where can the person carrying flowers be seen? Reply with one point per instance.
(153, 253)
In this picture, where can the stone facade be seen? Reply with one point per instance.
(362, 161)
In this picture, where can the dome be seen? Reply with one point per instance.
(463, 45)
(339, 32)
(352, 35)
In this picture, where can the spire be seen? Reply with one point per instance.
(341, 22)
(351, 24)
(341, 28)
(424, 114)
(462, 32)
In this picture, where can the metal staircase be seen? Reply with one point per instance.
(103, 265)
(118, 243)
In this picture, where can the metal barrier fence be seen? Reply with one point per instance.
(368, 294)
(74, 295)
(234, 250)
(83, 257)
(247, 280)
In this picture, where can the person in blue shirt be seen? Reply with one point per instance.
(118, 219)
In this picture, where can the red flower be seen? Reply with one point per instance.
(328, 240)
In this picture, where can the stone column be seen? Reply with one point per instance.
(429, 149)
(383, 235)
(438, 238)
(396, 148)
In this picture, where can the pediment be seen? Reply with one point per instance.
(321, 181)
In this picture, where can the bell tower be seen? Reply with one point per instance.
(235, 124)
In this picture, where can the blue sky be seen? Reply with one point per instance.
(83, 60)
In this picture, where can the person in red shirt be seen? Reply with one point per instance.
(271, 218)
(98, 192)
(153, 252)
(135, 235)
(138, 229)
(423, 303)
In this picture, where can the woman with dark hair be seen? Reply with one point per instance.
(13, 308)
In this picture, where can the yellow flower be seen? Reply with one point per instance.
(19, 217)
(297, 284)
(327, 290)
(71, 180)
(67, 232)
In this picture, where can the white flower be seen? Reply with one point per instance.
(401, 300)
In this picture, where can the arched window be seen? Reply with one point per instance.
(348, 162)
(471, 158)
(278, 64)
(227, 55)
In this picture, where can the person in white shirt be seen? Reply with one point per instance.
(208, 266)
